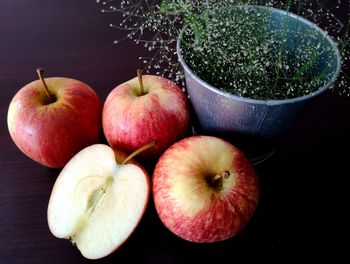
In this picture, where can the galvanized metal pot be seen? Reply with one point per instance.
(252, 125)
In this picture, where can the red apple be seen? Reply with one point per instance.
(144, 109)
(51, 120)
(204, 189)
(98, 200)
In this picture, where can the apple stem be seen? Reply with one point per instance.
(139, 75)
(142, 149)
(223, 174)
(40, 73)
(217, 177)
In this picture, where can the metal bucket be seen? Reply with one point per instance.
(252, 125)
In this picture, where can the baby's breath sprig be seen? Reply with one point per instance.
(234, 51)
(157, 31)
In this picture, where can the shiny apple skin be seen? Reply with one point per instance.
(131, 120)
(52, 133)
(185, 201)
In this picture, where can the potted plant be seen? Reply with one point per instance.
(250, 67)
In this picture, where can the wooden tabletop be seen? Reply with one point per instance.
(304, 191)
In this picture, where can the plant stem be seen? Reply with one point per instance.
(40, 73)
(282, 47)
(139, 75)
(223, 174)
(138, 151)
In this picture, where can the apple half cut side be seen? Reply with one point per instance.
(97, 202)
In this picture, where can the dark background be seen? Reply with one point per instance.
(303, 186)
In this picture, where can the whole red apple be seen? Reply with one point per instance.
(204, 189)
(51, 120)
(144, 109)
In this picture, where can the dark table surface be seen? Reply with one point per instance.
(303, 186)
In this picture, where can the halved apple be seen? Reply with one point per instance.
(97, 200)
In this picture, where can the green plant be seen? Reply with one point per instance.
(231, 46)
(243, 51)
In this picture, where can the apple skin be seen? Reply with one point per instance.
(131, 120)
(186, 198)
(53, 133)
(63, 178)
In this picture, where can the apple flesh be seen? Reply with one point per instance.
(52, 131)
(204, 189)
(97, 202)
(144, 109)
